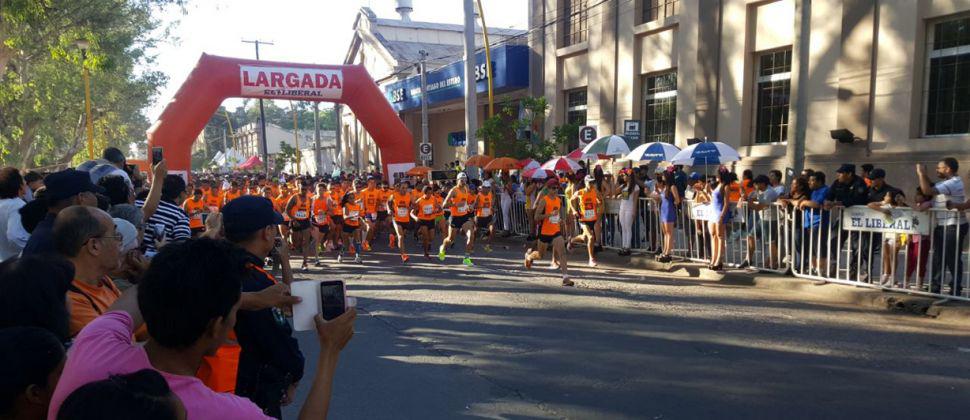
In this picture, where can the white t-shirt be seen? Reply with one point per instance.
(629, 203)
(949, 190)
(8, 246)
(768, 196)
(778, 189)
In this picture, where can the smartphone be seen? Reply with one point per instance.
(156, 155)
(333, 302)
(204, 217)
(159, 230)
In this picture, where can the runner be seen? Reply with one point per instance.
(280, 203)
(336, 214)
(370, 196)
(213, 198)
(586, 202)
(320, 209)
(550, 221)
(485, 208)
(298, 207)
(351, 231)
(400, 202)
(441, 219)
(233, 193)
(382, 220)
(461, 201)
(425, 212)
(194, 206)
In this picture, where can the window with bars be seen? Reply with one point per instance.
(772, 97)
(947, 94)
(660, 107)
(576, 107)
(658, 9)
(576, 15)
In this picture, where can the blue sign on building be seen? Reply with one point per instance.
(510, 71)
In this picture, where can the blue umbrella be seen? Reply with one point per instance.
(707, 153)
(653, 152)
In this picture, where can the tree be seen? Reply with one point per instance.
(515, 131)
(287, 155)
(41, 92)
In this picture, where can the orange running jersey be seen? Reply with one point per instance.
(460, 202)
(428, 208)
(194, 209)
(402, 207)
(483, 205)
(352, 215)
(550, 225)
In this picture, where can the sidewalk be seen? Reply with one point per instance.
(952, 311)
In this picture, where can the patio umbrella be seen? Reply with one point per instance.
(707, 153)
(612, 145)
(578, 155)
(252, 162)
(561, 164)
(528, 163)
(478, 161)
(538, 173)
(418, 171)
(502, 164)
(653, 152)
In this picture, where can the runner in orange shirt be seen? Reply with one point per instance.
(425, 211)
(400, 203)
(549, 216)
(462, 203)
(484, 209)
(350, 235)
(320, 209)
(213, 199)
(298, 207)
(370, 196)
(195, 207)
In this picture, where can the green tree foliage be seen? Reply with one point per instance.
(42, 92)
(287, 155)
(516, 130)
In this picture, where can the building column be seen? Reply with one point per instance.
(688, 34)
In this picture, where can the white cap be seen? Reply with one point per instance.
(589, 178)
(462, 175)
(487, 184)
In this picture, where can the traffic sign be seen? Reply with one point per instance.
(425, 151)
(587, 133)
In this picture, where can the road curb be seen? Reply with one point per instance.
(949, 311)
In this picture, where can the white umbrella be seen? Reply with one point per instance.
(653, 152)
(612, 145)
(706, 153)
(561, 164)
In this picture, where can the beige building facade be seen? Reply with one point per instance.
(771, 78)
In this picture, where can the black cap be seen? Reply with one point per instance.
(877, 173)
(249, 213)
(68, 183)
(761, 179)
(114, 155)
(846, 168)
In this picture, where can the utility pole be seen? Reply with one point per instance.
(422, 67)
(317, 157)
(296, 137)
(225, 142)
(338, 143)
(262, 115)
(471, 98)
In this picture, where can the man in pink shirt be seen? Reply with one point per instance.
(189, 298)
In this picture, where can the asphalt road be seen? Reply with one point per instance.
(442, 341)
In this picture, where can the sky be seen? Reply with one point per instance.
(303, 31)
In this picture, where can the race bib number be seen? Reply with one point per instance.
(428, 209)
(486, 212)
(197, 216)
(589, 214)
(373, 216)
(321, 219)
(402, 212)
(463, 208)
(554, 219)
(353, 214)
(300, 214)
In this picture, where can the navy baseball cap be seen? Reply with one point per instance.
(68, 183)
(877, 173)
(249, 213)
(846, 168)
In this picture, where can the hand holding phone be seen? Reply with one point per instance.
(156, 155)
(327, 298)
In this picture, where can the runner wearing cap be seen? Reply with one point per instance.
(462, 204)
(350, 235)
(425, 212)
(401, 204)
(370, 196)
(484, 209)
(586, 201)
(549, 215)
(298, 208)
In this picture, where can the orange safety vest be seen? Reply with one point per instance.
(194, 208)
(550, 225)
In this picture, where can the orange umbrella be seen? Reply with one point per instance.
(502, 164)
(418, 171)
(478, 160)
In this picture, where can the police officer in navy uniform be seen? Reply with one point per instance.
(270, 364)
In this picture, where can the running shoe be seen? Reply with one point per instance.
(357, 259)
(468, 262)
(592, 263)
(528, 261)
(405, 258)
(340, 258)
(441, 253)
(567, 282)
(488, 248)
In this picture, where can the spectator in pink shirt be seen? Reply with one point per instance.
(189, 297)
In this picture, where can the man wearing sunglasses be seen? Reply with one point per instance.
(88, 238)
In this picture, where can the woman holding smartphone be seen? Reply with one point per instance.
(350, 235)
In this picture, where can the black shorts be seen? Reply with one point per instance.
(458, 221)
(483, 222)
(427, 224)
(405, 226)
(591, 225)
(198, 231)
(547, 239)
(337, 220)
(299, 225)
(381, 215)
(323, 228)
(350, 229)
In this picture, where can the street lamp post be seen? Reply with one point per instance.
(84, 44)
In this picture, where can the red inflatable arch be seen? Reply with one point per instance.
(217, 78)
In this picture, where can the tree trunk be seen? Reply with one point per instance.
(76, 142)
(25, 147)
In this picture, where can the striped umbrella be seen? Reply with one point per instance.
(578, 155)
(561, 164)
(526, 164)
(538, 173)
(653, 152)
(612, 145)
(707, 153)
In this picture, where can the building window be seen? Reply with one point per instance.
(948, 86)
(576, 14)
(658, 9)
(660, 107)
(773, 91)
(576, 107)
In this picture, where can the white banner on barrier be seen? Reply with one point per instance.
(901, 220)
